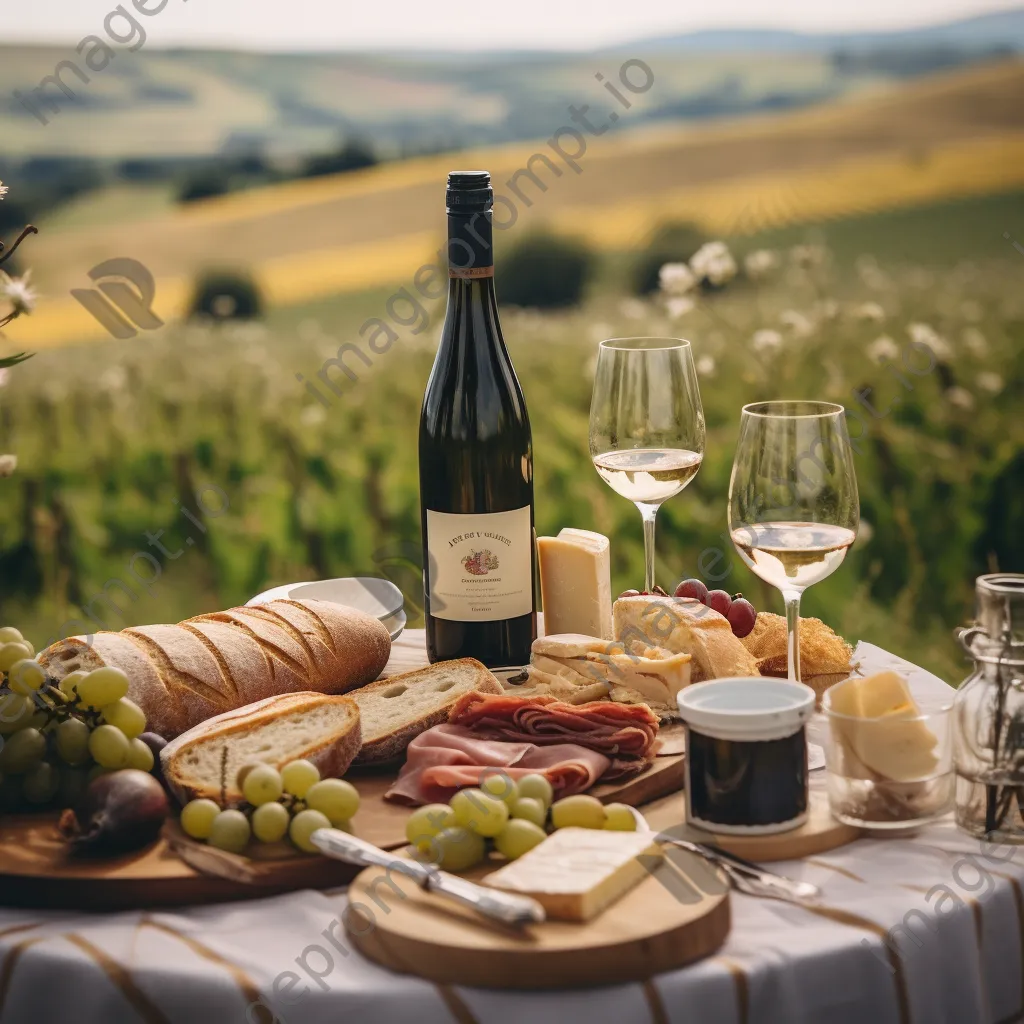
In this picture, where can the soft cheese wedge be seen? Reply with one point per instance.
(578, 872)
(882, 729)
(576, 583)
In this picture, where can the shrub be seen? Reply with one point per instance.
(350, 157)
(545, 271)
(671, 243)
(226, 295)
(204, 185)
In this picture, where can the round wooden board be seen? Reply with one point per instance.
(676, 915)
(820, 834)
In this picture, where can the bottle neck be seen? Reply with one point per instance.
(471, 264)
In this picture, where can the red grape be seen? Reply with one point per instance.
(692, 588)
(720, 601)
(742, 616)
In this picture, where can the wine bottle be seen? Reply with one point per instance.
(476, 460)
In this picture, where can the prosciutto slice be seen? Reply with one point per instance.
(449, 757)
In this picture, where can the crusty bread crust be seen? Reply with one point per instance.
(332, 755)
(181, 675)
(391, 746)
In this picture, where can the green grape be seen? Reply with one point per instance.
(39, 784)
(21, 751)
(270, 822)
(519, 836)
(197, 818)
(578, 811)
(459, 849)
(140, 756)
(425, 822)
(10, 635)
(298, 776)
(303, 825)
(69, 682)
(529, 808)
(16, 712)
(102, 686)
(337, 799)
(72, 785)
(72, 740)
(502, 786)
(243, 772)
(109, 747)
(474, 809)
(262, 785)
(229, 831)
(10, 654)
(536, 787)
(125, 715)
(619, 818)
(26, 676)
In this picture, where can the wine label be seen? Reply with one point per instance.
(481, 565)
(471, 273)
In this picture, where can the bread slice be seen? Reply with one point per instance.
(291, 726)
(396, 710)
(684, 626)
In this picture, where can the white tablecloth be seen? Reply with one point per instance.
(958, 956)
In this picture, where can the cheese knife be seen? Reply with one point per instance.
(499, 906)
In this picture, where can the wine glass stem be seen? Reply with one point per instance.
(792, 598)
(648, 512)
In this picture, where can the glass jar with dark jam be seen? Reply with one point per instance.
(746, 754)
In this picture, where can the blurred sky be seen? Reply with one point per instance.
(462, 24)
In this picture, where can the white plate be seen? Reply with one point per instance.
(377, 597)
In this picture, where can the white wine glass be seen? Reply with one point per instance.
(646, 425)
(793, 504)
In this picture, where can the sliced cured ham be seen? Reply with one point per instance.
(449, 757)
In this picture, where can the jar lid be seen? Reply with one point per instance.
(746, 708)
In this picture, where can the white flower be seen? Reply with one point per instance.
(829, 309)
(802, 326)
(975, 341)
(883, 349)
(808, 255)
(8, 464)
(600, 331)
(706, 366)
(5, 375)
(924, 334)
(760, 263)
(676, 279)
(989, 381)
(678, 305)
(766, 341)
(18, 293)
(869, 311)
(3, 190)
(865, 531)
(313, 415)
(632, 309)
(960, 397)
(114, 378)
(713, 263)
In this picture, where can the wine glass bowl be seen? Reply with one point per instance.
(646, 425)
(793, 503)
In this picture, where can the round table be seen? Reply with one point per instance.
(924, 929)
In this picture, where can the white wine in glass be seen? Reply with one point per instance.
(646, 425)
(793, 504)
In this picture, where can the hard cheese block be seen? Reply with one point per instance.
(577, 872)
(882, 732)
(576, 583)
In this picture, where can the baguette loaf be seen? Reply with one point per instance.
(396, 710)
(182, 675)
(292, 726)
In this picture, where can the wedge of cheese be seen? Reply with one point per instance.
(635, 674)
(576, 583)
(578, 872)
(881, 730)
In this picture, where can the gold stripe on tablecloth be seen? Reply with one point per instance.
(833, 867)
(1018, 900)
(742, 985)
(121, 979)
(456, 1006)
(659, 1015)
(10, 962)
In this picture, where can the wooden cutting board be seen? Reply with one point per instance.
(678, 914)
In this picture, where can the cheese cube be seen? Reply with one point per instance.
(578, 872)
(576, 583)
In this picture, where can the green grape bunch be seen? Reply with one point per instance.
(291, 803)
(55, 738)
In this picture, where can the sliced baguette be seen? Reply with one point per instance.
(314, 726)
(394, 711)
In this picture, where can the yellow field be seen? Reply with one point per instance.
(953, 136)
